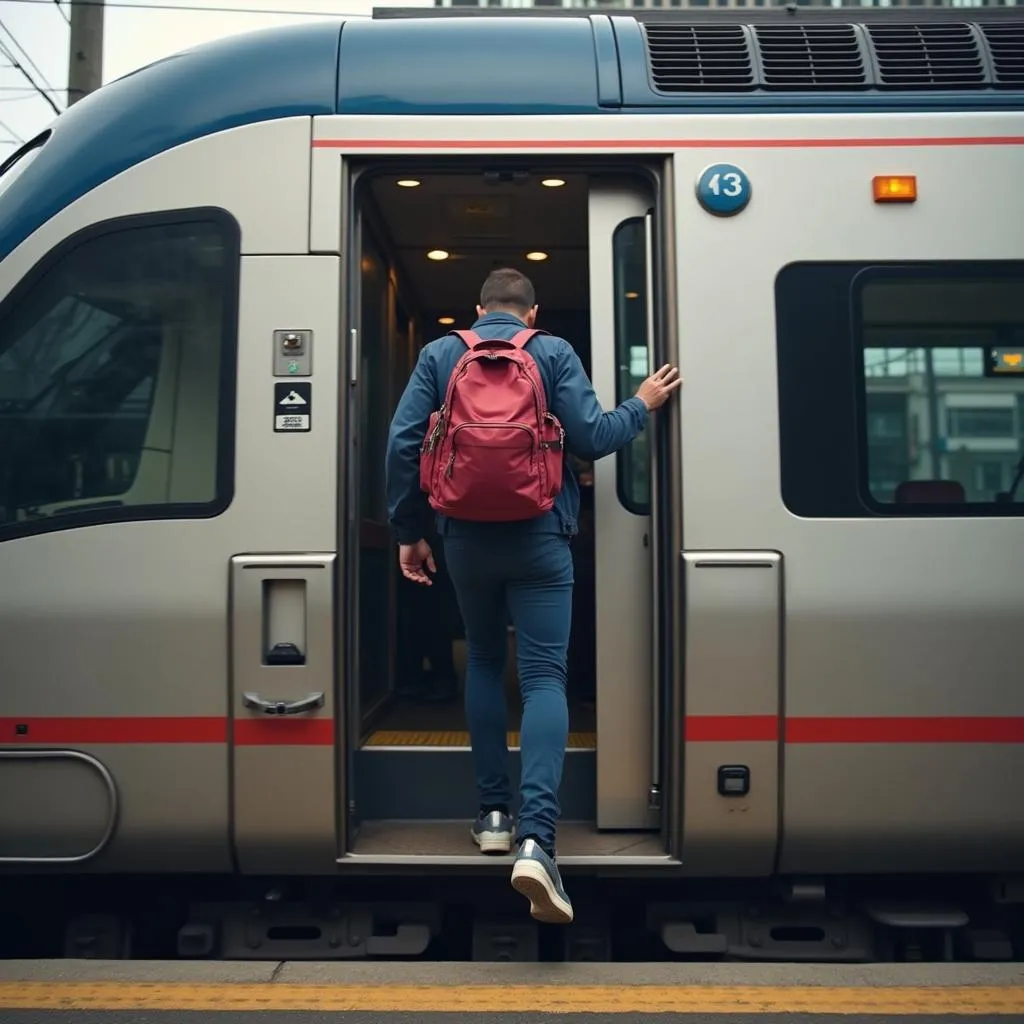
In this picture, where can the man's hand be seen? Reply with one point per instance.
(411, 558)
(656, 390)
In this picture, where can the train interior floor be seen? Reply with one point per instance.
(407, 721)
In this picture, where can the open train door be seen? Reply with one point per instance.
(634, 492)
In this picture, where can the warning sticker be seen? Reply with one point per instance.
(293, 406)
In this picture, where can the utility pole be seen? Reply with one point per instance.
(85, 54)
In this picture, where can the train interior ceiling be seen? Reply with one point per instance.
(427, 243)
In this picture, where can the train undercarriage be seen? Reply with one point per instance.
(458, 918)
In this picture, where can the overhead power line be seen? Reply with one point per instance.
(13, 134)
(28, 57)
(194, 9)
(5, 50)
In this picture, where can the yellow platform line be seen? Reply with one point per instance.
(564, 999)
(458, 738)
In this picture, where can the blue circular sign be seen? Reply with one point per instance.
(723, 189)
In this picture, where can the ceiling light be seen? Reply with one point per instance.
(632, 295)
(552, 182)
(446, 320)
(407, 183)
(437, 254)
(536, 256)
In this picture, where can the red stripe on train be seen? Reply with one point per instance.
(803, 730)
(665, 144)
(905, 730)
(248, 732)
(274, 732)
(67, 731)
(731, 728)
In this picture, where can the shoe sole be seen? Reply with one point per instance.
(492, 842)
(529, 879)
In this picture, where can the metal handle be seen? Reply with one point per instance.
(113, 806)
(655, 546)
(353, 356)
(283, 707)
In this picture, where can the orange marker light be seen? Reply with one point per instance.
(894, 188)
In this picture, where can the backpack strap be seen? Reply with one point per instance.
(471, 339)
(520, 339)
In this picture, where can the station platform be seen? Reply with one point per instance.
(146, 992)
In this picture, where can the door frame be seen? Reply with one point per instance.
(661, 535)
(668, 525)
(667, 576)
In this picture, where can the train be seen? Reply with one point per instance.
(796, 644)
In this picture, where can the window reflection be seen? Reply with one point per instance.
(630, 275)
(932, 413)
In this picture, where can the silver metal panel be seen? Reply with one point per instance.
(326, 189)
(917, 618)
(287, 797)
(285, 786)
(733, 653)
(173, 813)
(260, 173)
(623, 578)
(448, 844)
(127, 624)
(904, 807)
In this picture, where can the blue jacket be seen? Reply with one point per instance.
(590, 432)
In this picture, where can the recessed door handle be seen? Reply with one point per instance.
(283, 707)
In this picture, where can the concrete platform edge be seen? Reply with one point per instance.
(451, 973)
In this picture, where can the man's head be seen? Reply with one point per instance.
(508, 291)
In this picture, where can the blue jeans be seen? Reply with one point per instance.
(527, 576)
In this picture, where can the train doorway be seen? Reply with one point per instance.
(422, 241)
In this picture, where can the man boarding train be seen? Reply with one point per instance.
(480, 437)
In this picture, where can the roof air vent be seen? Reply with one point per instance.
(811, 56)
(931, 56)
(693, 58)
(1006, 44)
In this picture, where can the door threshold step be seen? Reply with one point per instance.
(449, 844)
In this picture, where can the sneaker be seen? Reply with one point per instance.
(536, 877)
(493, 832)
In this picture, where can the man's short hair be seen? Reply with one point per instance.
(508, 289)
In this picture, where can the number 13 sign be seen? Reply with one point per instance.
(723, 189)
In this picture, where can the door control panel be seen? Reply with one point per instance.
(293, 353)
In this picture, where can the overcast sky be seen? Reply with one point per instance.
(137, 32)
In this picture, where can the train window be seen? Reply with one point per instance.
(116, 376)
(633, 477)
(890, 399)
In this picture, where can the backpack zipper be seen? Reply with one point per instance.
(534, 445)
(436, 432)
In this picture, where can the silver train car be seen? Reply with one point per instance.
(796, 649)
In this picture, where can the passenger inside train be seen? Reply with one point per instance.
(426, 241)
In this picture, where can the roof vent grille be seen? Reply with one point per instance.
(932, 56)
(694, 58)
(1006, 44)
(811, 57)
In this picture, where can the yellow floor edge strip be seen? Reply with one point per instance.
(565, 999)
(458, 738)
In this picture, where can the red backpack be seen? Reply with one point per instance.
(493, 452)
